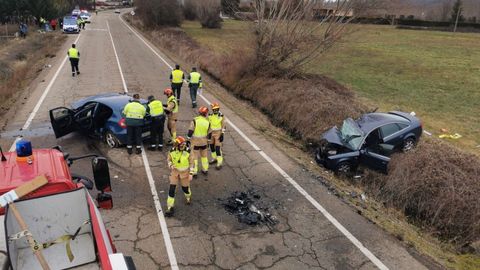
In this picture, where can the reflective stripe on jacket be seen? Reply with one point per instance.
(195, 78)
(73, 53)
(134, 110)
(156, 108)
(174, 100)
(202, 126)
(177, 76)
(180, 160)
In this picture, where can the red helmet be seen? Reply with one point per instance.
(203, 110)
(168, 91)
(215, 106)
(180, 140)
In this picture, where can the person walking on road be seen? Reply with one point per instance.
(172, 111)
(134, 113)
(155, 109)
(197, 135)
(180, 165)
(194, 83)
(216, 135)
(74, 56)
(176, 78)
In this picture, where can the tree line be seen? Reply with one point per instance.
(14, 11)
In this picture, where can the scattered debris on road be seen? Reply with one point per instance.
(241, 204)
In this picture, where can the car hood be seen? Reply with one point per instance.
(333, 136)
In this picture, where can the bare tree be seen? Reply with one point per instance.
(208, 13)
(446, 9)
(286, 40)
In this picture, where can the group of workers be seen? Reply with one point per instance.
(206, 132)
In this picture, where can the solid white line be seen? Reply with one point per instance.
(42, 98)
(151, 182)
(302, 191)
(125, 89)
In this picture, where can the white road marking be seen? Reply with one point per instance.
(287, 177)
(151, 182)
(42, 98)
(125, 89)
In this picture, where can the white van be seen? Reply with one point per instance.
(70, 25)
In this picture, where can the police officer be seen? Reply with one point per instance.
(217, 129)
(134, 113)
(74, 56)
(176, 78)
(172, 111)
(180, 165)
(197, 134)
(194, 83)
(155, 109)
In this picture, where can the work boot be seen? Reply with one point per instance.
(152, 148)
(212, 161)
(139, 150)
(78, 72)
(169, 212)
(73, 74)
(218, 167)
(160, 147)
(205, 172)
(129, 150)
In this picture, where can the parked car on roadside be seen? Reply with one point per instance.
(98, 116)
(85, 16)
(69, 25)
(76, 12)
(368, 141)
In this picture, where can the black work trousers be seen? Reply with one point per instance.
(177, 89)
(193, 93)
(156, 131)
(134, 136)
(74, 64)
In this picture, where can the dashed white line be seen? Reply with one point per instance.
(287, 177)
(161, 219)
(42, 98)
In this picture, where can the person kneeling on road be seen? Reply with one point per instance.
(217, 127)
(171, 108)
(181, 170)
(134, 113)
(197, 135)
(155, 109)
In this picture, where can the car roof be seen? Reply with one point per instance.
(371, 121)
(112, 100)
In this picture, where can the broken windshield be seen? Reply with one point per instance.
(351, 134)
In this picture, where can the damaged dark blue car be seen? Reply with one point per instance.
(368, 141)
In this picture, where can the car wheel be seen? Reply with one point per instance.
(111, 140)
(344, 168)
(408, 144)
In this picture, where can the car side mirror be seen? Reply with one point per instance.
(101, 174)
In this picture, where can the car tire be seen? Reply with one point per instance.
(111, 140)
(408, 144)
(344, 168)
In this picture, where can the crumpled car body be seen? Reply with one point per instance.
(368, 141)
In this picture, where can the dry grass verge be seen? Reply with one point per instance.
(22, 59)
(436, 186)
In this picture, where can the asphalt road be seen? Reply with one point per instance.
(202, 235)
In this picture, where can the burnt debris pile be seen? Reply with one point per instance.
(247, 207)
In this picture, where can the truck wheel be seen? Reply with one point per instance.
(111, 140)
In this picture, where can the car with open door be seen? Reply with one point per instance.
(368, 141)
(98, 116)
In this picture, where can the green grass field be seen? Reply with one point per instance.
(435, 74)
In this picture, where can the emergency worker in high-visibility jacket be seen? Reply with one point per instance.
(194, 83)
(74, 57)
(171, 108)
(197, 135)
(157, 116)
(134, 113)
(217, 129)
(176, 78)
(180, 164)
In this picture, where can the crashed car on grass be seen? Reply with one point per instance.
(368, 141)
(97, 116)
